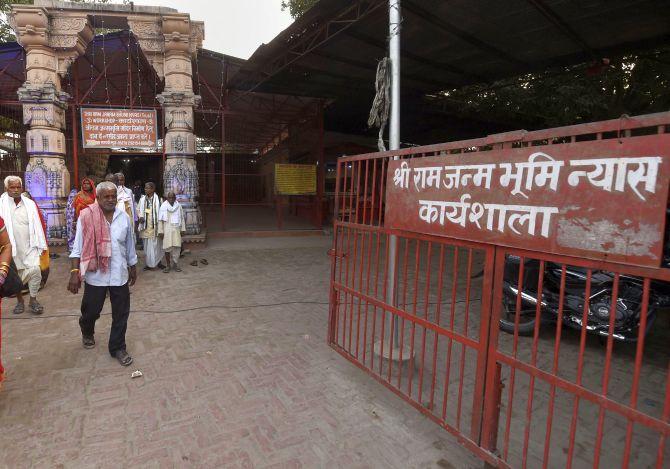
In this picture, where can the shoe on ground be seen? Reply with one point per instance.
(123, 357)
(88, 341)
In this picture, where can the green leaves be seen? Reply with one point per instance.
(297, 7)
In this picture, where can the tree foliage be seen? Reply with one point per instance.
(6, 33)
(633, 84)
(297, 7)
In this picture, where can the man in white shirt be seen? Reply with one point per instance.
(104, 254)
(24, 227)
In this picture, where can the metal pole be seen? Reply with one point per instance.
(394, 141)
(75, 128)
(321, 169)
(223, 171)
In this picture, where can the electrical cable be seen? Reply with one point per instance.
(196, 308)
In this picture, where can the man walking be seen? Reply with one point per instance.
(171, 224)
(28, 239)
(104, 255)
(148, 226)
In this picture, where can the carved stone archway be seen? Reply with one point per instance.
(54, 34)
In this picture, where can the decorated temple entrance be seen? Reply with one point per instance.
(140, 168)
(216, 146)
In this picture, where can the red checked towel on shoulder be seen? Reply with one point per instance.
(96, 250)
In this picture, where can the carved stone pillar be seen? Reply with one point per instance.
(149, 34)
(51, 45)
(178, 100)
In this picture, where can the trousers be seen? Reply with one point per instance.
(91, 306)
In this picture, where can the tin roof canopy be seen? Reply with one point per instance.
(332, 51)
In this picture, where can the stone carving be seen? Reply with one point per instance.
(149, 35)
(68, 24)
(178, 98)
(181, 177)
(145, 28)
(178, 144)
(151, 45)
(38, 116)
(45, 177)
(42, 93)
(180, 119)
(197, 35)
(63, 40)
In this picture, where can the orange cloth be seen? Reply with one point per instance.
(83, 199)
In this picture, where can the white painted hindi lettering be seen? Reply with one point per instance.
(519, 219)
(614, 173)
(524, 173)
(428, 176)
(463, 175)
(401, 176)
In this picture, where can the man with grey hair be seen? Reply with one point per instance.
(24, 227)
(103, 254)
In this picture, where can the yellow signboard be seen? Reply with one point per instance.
(295, 179)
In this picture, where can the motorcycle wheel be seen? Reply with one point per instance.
(508, 317)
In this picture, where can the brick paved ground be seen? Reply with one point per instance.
(230, 384)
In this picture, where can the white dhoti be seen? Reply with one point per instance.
(148, 208)
(171, 224)
(152, 251)
(33, 277)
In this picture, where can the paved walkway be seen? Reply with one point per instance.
(236, 369)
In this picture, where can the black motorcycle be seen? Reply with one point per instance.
(627, 310)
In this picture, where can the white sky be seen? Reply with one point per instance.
(233, 27)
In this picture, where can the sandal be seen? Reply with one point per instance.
(19, 308)
(194, 263)
(36, 308)
(123, 357)
(204, 261)
(166, 270)
(176, 268)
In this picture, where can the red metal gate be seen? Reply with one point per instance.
(420, 314)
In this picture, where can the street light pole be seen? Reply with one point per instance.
(394, 143)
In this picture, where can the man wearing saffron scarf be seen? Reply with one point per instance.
(104, 255)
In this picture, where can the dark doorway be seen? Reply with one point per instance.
(143, 168)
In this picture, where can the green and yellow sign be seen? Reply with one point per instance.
(295, 179)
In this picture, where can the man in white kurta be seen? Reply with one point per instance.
(171, 225)
(28, 239)
(147, 211)
(125, 199)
